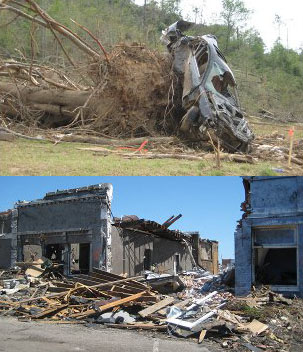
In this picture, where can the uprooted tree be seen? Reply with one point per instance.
(129, 91)
(122, 93)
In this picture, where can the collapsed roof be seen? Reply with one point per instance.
(152, 228)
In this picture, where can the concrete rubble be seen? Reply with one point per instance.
(204, 309)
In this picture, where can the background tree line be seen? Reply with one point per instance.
(272, 80)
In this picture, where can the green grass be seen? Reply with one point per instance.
(253, 313)
(24, 157)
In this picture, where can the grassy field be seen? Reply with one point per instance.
(24, 157)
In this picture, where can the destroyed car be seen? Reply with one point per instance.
(206, 90)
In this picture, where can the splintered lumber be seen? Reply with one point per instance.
(64, 321)
(202, 336)
(108, 306)
(141, 326)
(53, 295)
(155, 307)
(49, 312)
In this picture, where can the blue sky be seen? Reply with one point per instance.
(210, 205)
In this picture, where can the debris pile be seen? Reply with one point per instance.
(259, 322)
(275, 146)
(199, 282)
(79, 298)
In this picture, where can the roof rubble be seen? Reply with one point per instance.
(204, 310)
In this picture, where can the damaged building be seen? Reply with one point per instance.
(74, 228)
(71, 227)
(140, 245)
(269, 238)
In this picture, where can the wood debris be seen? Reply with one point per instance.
(128, 303)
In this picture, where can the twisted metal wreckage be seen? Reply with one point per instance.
(206, 90)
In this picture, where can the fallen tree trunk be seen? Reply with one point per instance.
(223, 156)
(7, 137)
(60, 106)
(13, 133)
(92, 140)
(116, 142)
(38, 95)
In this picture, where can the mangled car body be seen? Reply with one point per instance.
(206, 90)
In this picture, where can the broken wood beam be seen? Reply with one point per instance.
(107, 306)
(155, 307)
(114, 142)
(49, 312)
(138, 326)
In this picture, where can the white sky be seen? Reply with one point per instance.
(291, 12)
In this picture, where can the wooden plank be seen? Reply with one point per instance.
(53, 295)
(108, 306)
(155, 307)
(138, 326)
(63, 284)
(48, 312)
(202, 336)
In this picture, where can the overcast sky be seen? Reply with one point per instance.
(262, 19)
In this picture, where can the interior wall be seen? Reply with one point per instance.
(32, 253)
(128, 249)
(164, 255)
(208, 256)
(276, 266)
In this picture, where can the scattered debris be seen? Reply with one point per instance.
(128, 303)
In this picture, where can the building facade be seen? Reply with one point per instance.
(269, 237)
(72, 227)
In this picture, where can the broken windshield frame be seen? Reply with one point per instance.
(218, 79)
